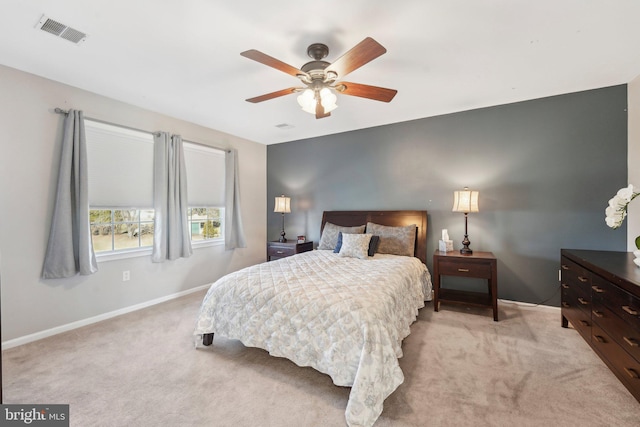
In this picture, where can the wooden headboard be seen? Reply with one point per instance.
(390, 218)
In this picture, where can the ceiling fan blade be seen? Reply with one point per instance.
(365, 51)
(365, 91)
(272, 62)
(320, 114)
(272, 95)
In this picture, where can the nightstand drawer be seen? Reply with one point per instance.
(280, 251)
(277, 250)
(480, 270)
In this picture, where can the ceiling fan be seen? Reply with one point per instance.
(319, 77)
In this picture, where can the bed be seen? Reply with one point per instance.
(336, 309)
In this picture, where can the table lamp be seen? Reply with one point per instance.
(283, 206)
(465, 201)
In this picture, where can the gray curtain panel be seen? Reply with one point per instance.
(69, 250)
(233, 231)
(171, 238)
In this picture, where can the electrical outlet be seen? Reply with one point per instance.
(126, 275)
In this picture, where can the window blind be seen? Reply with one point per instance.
(205, 175)
(120, 164)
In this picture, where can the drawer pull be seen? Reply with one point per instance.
(565, 267)
(463, 270)
(597, 313)
(630, 310)
(279, 252)
(632, 342)
(600, 339)
(584, 323)
(597, 289)
(565, 286)
(565, 304)
(632, 373)
(583, 279)
(583, 301)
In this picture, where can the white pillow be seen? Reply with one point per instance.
(355, 245)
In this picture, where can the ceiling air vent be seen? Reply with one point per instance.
(57, 29)
(285, 126)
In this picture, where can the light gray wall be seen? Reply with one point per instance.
(633, 220)
(545, 170)
(30, 147)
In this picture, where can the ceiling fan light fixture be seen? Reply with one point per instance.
(328, 100)
(307, 101)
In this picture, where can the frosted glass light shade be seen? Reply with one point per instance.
(307, 100)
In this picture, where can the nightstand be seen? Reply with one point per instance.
(479, 265)
(277, 250)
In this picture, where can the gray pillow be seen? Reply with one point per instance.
(394, 240)
(329, 237)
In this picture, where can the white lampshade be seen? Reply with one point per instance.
(283, 205)
(465, 201)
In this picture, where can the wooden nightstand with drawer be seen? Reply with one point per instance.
(277, 250)
(479, 265)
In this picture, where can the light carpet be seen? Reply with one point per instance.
(461, 369)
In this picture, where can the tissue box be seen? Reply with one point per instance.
(445, 245)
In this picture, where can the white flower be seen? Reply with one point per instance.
(616, 212)
(626, 193)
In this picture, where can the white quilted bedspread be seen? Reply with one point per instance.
(345, 317)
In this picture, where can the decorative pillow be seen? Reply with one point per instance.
(373, 244)
(394, 240)
(329, 237)
(355, 245)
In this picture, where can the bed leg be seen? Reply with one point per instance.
(207, 339)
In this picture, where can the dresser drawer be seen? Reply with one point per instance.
(626, 368)
(621, 303)
(627, 337)
(574, 297)
(480, 270)
(575, 275)
(577, 316)
(274, 251)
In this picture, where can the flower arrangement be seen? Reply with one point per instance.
(616, 212)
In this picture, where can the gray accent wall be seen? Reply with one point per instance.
(545, 170)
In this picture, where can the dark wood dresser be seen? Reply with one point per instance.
(601, 299)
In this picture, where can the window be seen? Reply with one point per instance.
(121, 229)
(205, 224)
(205, 189)
(121, 189)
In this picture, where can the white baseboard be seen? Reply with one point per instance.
(528, 305)
(84, 322)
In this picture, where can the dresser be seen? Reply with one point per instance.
(601, 300)
(277, 250)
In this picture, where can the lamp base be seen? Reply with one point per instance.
(282, 239)
(465, 243)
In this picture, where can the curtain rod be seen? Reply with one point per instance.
(58, 110)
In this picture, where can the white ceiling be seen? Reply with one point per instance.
(182, 58)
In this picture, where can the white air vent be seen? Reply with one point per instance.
(57, 29)
(285, 126)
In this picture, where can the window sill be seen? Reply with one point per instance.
(135, 253)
